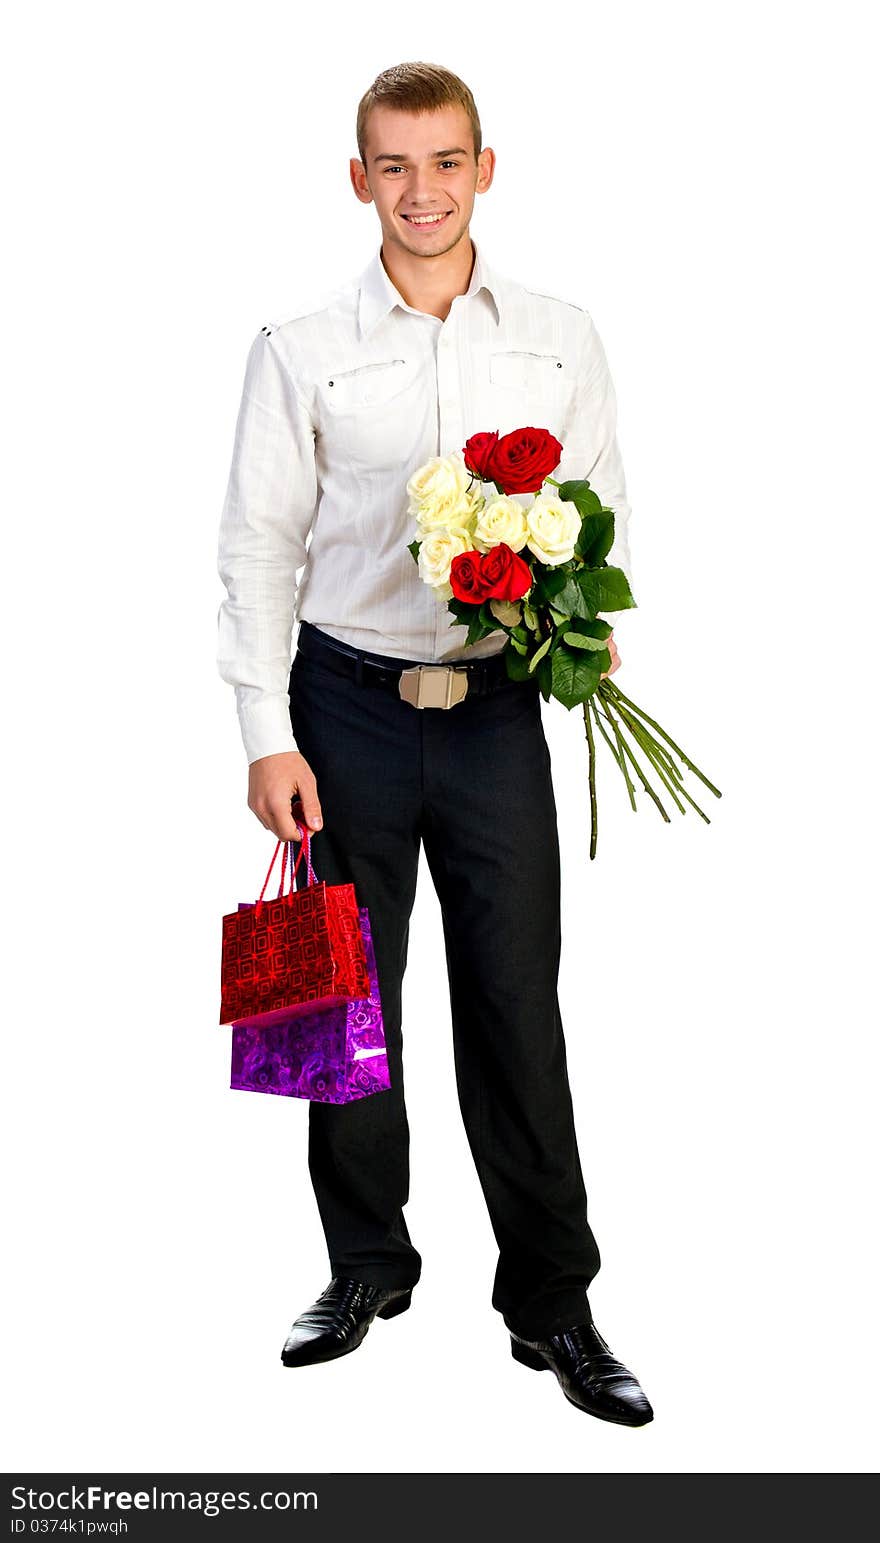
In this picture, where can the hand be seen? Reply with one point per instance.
(275, 783)
(615, 657)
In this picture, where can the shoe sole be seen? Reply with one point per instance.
(537, 1363)
(399, 1305)
(390, 1310)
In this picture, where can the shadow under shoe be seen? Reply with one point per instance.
(590, 1376)
(337, 1322)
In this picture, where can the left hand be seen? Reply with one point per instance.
(615, 657)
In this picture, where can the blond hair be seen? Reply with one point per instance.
(417, 87)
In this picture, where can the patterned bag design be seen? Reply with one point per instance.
(296, 952)
(332, 1056)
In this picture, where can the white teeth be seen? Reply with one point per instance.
(424, 219)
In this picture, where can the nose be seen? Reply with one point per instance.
(423, 189)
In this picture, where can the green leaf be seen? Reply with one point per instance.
(414, 548)
(576, 675)
(463, 609)
(555, 579)
(605, 589)
(596, 538)
(530, 618)
(537, 657)
(582, 640)
(594, 628)
(545, 678)
(517, 663)
(578, 492)
(476, 630)
(571, 601)
(476, 617)
(558, 616)
(521, 648)
(547, 582)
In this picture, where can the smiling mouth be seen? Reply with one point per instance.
(432, 223)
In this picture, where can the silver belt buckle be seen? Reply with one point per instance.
(433, 685)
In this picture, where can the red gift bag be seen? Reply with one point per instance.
(303, 949)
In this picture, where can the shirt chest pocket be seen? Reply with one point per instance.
(366, 385)
(521, 370)
(528, 386)
(364, 409)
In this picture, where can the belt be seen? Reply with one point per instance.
(419, 682)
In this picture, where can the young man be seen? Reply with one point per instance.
(341, 404)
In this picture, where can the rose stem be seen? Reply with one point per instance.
(593, 816)
(646, 739)
(612, 747)
(648, 743)
(659, 750)
(687, 760)
(681, 789)
(645, 783)
(622, 758)
(651, 747)
(616, 750)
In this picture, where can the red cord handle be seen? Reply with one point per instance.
(304, 847)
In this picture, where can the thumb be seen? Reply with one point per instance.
(311, 808)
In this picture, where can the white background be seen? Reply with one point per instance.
(699, 177)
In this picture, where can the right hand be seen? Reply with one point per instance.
(274, 783)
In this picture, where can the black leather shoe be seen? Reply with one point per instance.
(589, 1375)
(340, 1318)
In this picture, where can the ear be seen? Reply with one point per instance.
(358, 175)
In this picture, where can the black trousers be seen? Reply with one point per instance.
(473, 783)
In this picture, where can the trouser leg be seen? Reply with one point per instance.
(491, 842)
(365, 756)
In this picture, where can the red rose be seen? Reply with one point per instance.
(478, 454)
(522, 459)
(466, 578)
(505, 573)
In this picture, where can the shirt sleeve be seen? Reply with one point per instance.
(590, 447)
(267, 515)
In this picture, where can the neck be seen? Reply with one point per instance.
(431, 284)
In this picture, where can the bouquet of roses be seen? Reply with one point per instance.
(539, 573)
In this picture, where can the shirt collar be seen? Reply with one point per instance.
(378, 295)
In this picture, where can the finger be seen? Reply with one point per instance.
(310, 803)
(282, 819)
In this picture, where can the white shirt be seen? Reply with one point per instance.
(340, 405)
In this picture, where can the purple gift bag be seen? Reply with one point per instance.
(332, 1055)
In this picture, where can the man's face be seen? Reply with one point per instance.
(407, 175)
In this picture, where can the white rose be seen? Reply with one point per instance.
(442, 492)
(435, 557)
(500, 519)
(554, 526)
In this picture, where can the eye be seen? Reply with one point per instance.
(400, 168)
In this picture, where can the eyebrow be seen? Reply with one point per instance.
(457, 150)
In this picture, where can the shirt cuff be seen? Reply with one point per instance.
(265, 728)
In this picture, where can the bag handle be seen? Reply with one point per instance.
(305, 844)
(304, 847)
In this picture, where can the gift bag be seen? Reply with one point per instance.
(295, 952)
(331, 1055)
